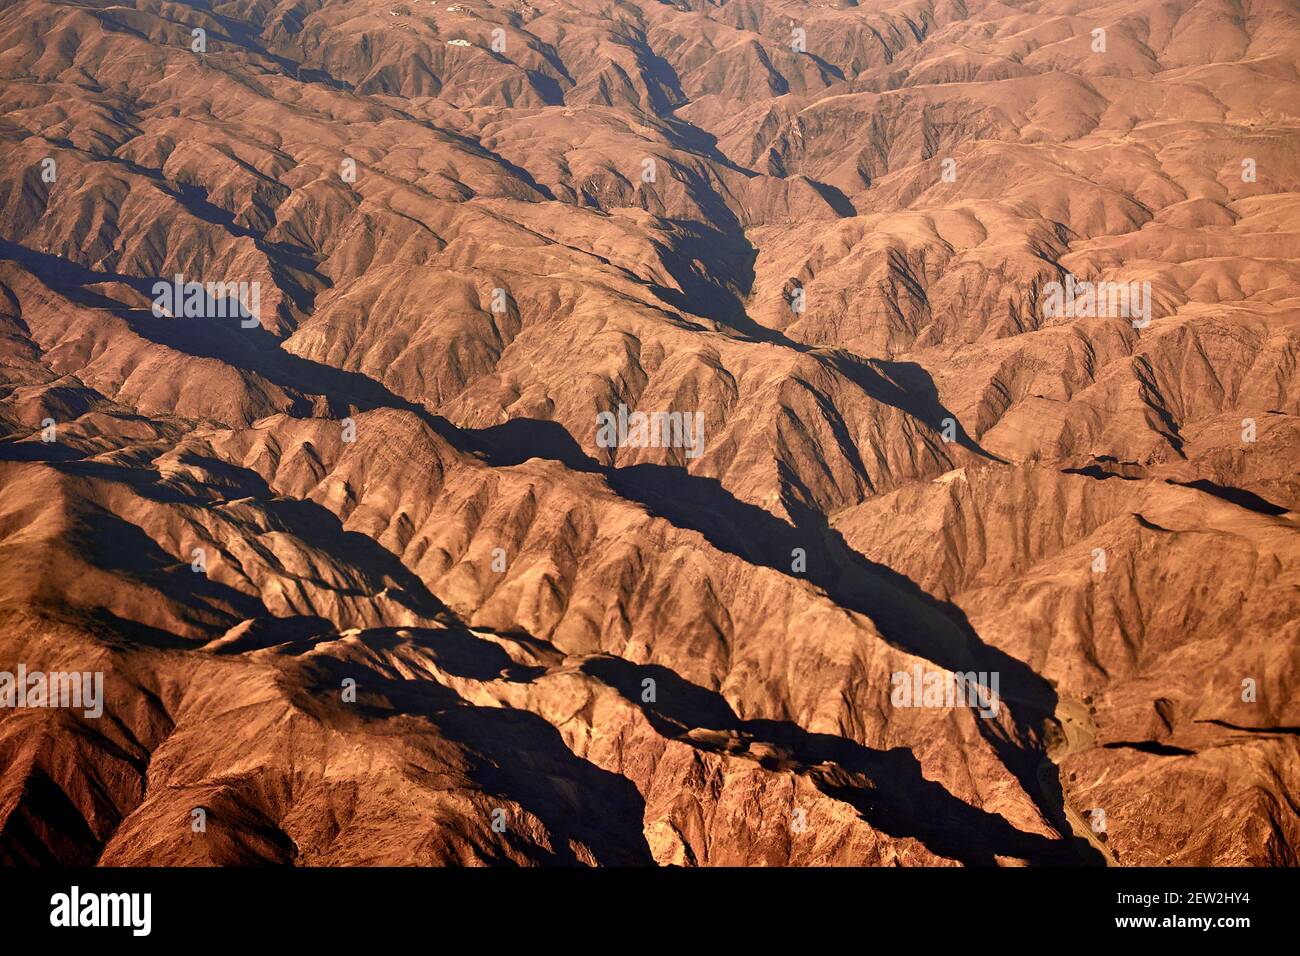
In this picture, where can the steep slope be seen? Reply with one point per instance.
(365, 577)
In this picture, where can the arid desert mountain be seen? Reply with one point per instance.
(682, 433)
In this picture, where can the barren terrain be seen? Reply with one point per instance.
(364, 582)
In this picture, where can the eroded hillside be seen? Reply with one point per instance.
(365, 580)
